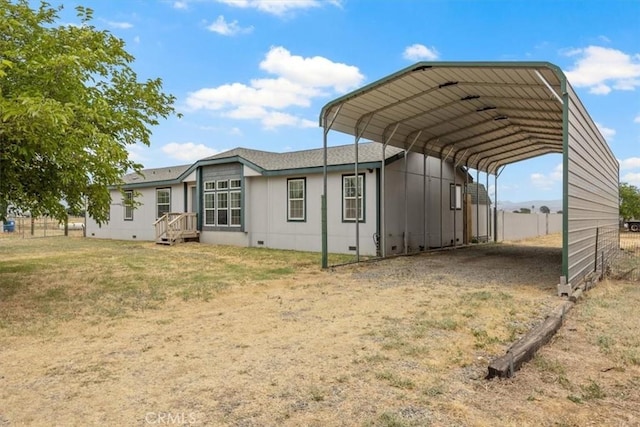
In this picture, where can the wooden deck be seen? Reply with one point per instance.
(176, 227)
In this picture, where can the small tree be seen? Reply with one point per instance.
(70, 104)
(525, 210)
(544, 209)
(629, 201)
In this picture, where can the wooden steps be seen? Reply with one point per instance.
(176, 227)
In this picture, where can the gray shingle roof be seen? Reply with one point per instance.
(341, 155)
(157, 174)
(478, 193)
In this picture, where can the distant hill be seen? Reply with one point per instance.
(553, 205)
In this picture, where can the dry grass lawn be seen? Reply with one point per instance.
(129, 333)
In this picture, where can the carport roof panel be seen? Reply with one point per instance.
(483, 114)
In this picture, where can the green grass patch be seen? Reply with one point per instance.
(64, 277)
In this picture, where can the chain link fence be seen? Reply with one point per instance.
(28, 227)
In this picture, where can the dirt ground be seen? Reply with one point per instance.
(401, 342)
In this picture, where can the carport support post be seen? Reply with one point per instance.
(406, 195)
(441, 204)
(455, 203)
(477, 205)
(495, 206)
(405, 238)
(358, 188)
(323, 203)
(382, 240)
(424, 199)
(357, 177)
(442, 159)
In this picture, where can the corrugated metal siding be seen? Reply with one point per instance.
(592, 195)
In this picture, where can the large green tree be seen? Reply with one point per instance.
(629, 201)
(70, 104)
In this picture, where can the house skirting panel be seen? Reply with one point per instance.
(232, 238)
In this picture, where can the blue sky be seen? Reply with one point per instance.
(255, 73)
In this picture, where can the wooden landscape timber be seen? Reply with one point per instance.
(526, 347)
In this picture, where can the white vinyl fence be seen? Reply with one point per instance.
(518, 226)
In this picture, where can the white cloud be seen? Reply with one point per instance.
(608, 133)
(180, 5)
(120, 25)
(637, 119)
(279, 7)
(630, 163)
(632, 178)
(222, 27)
(269, 119)
(137, 152)
(298, 82)
(603, 69)
(188, 151)
(277, 94)
(313, 72)
(547, 181)
(419, 52)
(136, 39)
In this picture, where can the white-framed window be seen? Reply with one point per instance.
(353, 197)
(128, 205)
(455, 196)
(223, 203)
(163, 201)
(209, 209)
(222, 208)
(235, 207)
(296, 202)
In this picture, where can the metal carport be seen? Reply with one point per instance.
(484, 116)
